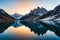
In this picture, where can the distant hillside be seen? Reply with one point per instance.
(5, 16)
(17, 16)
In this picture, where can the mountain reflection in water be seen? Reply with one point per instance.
(34, 30)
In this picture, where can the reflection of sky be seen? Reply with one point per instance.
(24, 6)
(24, 32)
(20, 31)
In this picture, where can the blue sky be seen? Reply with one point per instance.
(24, 6)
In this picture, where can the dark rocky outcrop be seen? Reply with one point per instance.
(5, 16)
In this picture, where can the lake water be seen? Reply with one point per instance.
(30, 30)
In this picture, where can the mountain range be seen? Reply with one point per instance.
(35, 14)
(41, 13)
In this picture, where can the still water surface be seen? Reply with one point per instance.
(30, 30)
